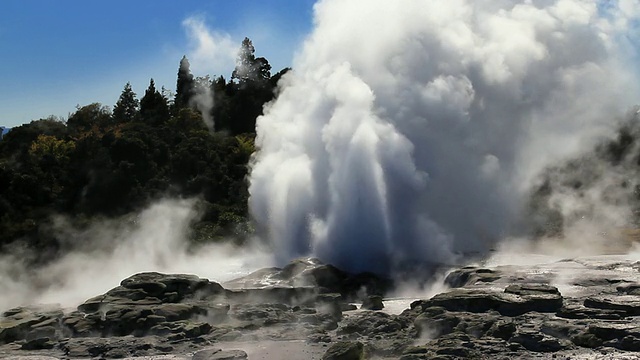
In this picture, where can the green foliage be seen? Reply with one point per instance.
(127, 107)
(185, 87)
(50, 146)
(101, 164)
(93, 117)
(154, 109)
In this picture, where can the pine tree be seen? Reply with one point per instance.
(185, 89)
(244, 61)
(153, 106)
(248, 67)
(126, 109)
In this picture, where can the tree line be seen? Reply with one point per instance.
(103, 163)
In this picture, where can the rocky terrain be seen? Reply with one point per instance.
(585, 308)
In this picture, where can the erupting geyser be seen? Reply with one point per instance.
(412, 130)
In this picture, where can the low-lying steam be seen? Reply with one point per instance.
(157, 240)
(412, 130)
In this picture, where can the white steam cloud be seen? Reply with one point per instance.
(203, 101)
(112, 251)
(412, 130)
(210, 51)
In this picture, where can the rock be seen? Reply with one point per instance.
(629, 304)
(469, 276)
(537, 342)
(226, 355)
(452, 346)
(613, 330)
(348, 307)
(292, 296)
(172, 288)
(436, 322)
(219, 354)
(373, 302)
(262, 314)
(311, 273)
(579, 311)
(330, 304)
(502, 329)
(627, 343)
(629, 289)
(345, 350)
(531, 289)
(507, 303)
(205, 354)
(510, 313)
(586, 339)
(16, 323)
(230, 336)
(321, 337)
(43, 343)
(372, 323)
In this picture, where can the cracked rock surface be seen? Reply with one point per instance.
(587, 308)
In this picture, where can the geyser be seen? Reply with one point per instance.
(412, 130)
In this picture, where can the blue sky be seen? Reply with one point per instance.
(59, 54)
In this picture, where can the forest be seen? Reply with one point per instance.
(107, 163)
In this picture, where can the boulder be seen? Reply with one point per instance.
(538, 342)
(172, 288)
(277, 294)
(629, 289)
(372, 323)
(373, 302)
(311, 273)
(507, 303)
(579, 311)
(262, 314)
(470, 275)
(112, 347)
(17, 323)
(345, 350)
(229, 355)
(629, 304)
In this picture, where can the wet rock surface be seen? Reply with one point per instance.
(579, 309)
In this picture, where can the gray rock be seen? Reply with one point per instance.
(43, 343)
(470, 275)
(372, 323)
(629, 304)
(509, 304)
(17, 323)
(205, 354)
(538, 342)
(226, 355)
(345, 350)
(373, 302)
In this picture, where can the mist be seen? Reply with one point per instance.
(203, 101)
(413, 131)
(112, 250)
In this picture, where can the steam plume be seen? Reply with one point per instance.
(155, 241)
(210, 51)
(411, 130)
(203, 101)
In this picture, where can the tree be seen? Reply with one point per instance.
(153, 106)
(92, 117)
(248, 67)
(185, 87)
(127, 107)
(50, 146)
